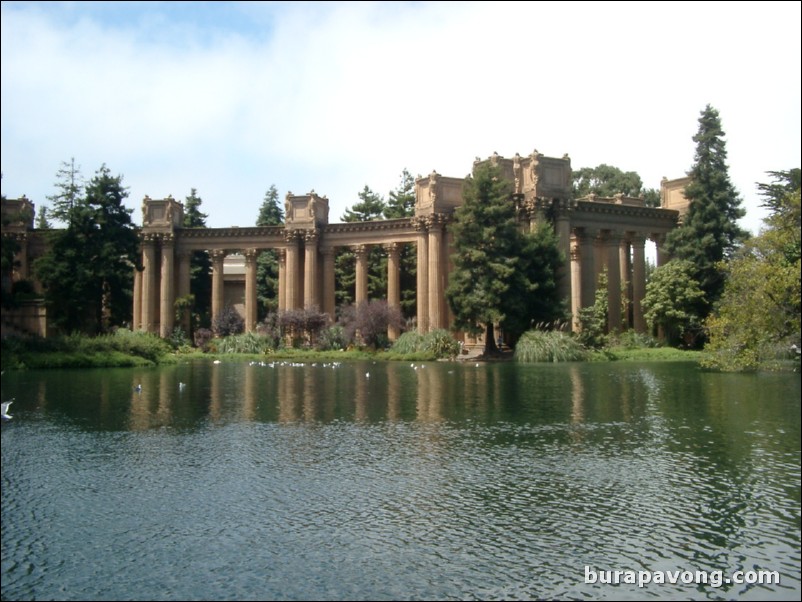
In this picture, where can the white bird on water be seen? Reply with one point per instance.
(4, 409)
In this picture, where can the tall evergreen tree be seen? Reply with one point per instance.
(501, 274)
(709, 233)
(87, 272)
(401, 204)
(270, 214)
(69, 184)
(42, 223)
(200, 271)
(370, 207)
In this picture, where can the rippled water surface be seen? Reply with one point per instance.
(386, 481)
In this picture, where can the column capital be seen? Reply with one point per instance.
(360, 250)
(311, 235)
(392, 249)
(421, 223)
(251, 255)
(167, 239)
(292, 236)
(436, 221)
(218, 254)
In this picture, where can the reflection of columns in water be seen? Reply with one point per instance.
(577, 395)
(310, 406)
(251, 256)
(167, 389)
(139, 416)
(430, 395)
(249, 393)
(361, 384)
(393, 392)
(215, 393)
(330, 388)
(218, 256)
(288, 394)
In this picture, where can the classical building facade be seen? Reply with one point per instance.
(595, 235)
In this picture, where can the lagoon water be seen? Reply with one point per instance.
(379, 481)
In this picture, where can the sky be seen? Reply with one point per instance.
(230, 98)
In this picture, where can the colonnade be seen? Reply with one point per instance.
(306, 278)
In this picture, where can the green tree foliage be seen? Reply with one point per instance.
(758, 317)
(69, 184)
(42, 223)
(200, 271)
(709, 233)
(593, 319)
(608, 181)
(270, 214)
(672, 300)
(496, 278)
(401, 204)
(370, 207)
(87, 272)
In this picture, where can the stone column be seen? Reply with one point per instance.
(613, 283)
(361, 294)
(328, 283)
(422, 299)
(587, 254)
(563, 230)
(137, 318)
(311, 297)
(183, 285)
(282, 280)
(251, 314)
(393, 283)
(167, 302)
(638, 283)
(436, 289)
(218, 256)
(576, 284)
(149, 284)
(293, 271)
(659, 242)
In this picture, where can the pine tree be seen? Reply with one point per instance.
(709, 233)
(200, 271)
(42, 223)
(69, 184)
(270, 214)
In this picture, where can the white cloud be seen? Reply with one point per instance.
(336, 96)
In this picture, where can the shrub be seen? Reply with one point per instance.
(302, 326)
(228, 322)
(548, 346)
(368, 322)
(437, 344)
(202, 338)
(250, 342)
(332, 339)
